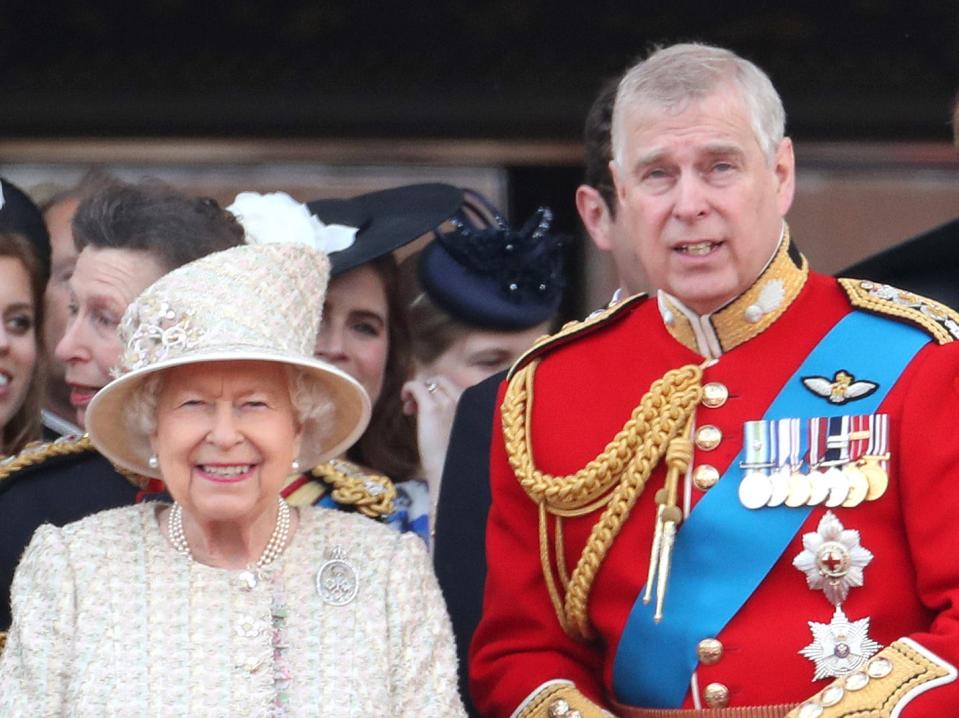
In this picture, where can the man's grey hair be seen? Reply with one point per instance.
(673, 76)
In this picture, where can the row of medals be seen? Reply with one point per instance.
(847, 485)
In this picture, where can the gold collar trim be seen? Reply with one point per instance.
(746, 316)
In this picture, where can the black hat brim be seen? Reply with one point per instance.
(386, 220)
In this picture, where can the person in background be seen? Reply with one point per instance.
(476, 298)
(237, 603)
(927, 263)
(128, 236)
(21, 351)
(650, 553)
(596, 197)
(460, 548)
(363, 333)
(58, 415)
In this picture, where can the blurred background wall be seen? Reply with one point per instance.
(335, 98)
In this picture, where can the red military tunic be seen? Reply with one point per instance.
(586, 388)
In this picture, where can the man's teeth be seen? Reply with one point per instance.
(227, 470)
(4, 379)
(699, 248)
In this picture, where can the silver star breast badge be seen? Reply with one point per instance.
(832, 559)
(840, 646)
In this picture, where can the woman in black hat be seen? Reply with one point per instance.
(364, 334)
(476, 298)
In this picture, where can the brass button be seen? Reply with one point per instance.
(708, 437)
(709, 651)
(705, 477)
(715, 394)
(716, 695)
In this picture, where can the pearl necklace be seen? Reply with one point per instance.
(274, 546)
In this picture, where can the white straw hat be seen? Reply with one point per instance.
(250, 303)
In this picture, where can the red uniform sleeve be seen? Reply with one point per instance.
(519, 644)
(929, 471)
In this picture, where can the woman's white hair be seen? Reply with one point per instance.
(671, 77)
(311, 402)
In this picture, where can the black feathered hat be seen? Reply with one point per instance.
(487, 274)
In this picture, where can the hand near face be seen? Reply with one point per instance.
(432, 399)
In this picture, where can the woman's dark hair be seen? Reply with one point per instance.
(389, 443)
(24, 425)
(153, 217)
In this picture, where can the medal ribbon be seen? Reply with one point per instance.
(724, 550)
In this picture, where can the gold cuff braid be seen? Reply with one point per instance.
(872, 693)
(562, 700)
(614, 479)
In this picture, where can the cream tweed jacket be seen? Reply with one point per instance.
(110, 621)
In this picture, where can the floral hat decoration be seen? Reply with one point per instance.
(262, 301)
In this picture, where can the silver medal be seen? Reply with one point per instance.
(755, 490)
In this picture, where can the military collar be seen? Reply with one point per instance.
(746, 316)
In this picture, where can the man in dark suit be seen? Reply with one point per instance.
(927, 264)
(460, 543)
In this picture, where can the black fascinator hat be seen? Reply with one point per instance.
(485, 273)
(19, 214)
(386, 220)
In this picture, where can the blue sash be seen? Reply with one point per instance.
(724, 550)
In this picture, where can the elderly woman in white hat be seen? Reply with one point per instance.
(228, 602)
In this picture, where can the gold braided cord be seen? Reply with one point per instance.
(554, 595)
(350, 488)
(621, 469)
(37, 452)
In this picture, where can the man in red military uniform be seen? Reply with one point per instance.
(736, 496)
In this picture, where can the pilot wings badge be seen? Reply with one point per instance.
(843, 387)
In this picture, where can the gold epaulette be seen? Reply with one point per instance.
(941, 321)
(573, 330)
(36, 452)
(370, 494)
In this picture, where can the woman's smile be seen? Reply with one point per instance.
(225, 473)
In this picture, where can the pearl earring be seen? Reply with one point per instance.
(153, 462)
(295, 465)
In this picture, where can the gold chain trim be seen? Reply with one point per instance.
(614, 479)
(371, 494)
(37, 452)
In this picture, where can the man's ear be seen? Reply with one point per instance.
(785, 170)
(595, 215)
